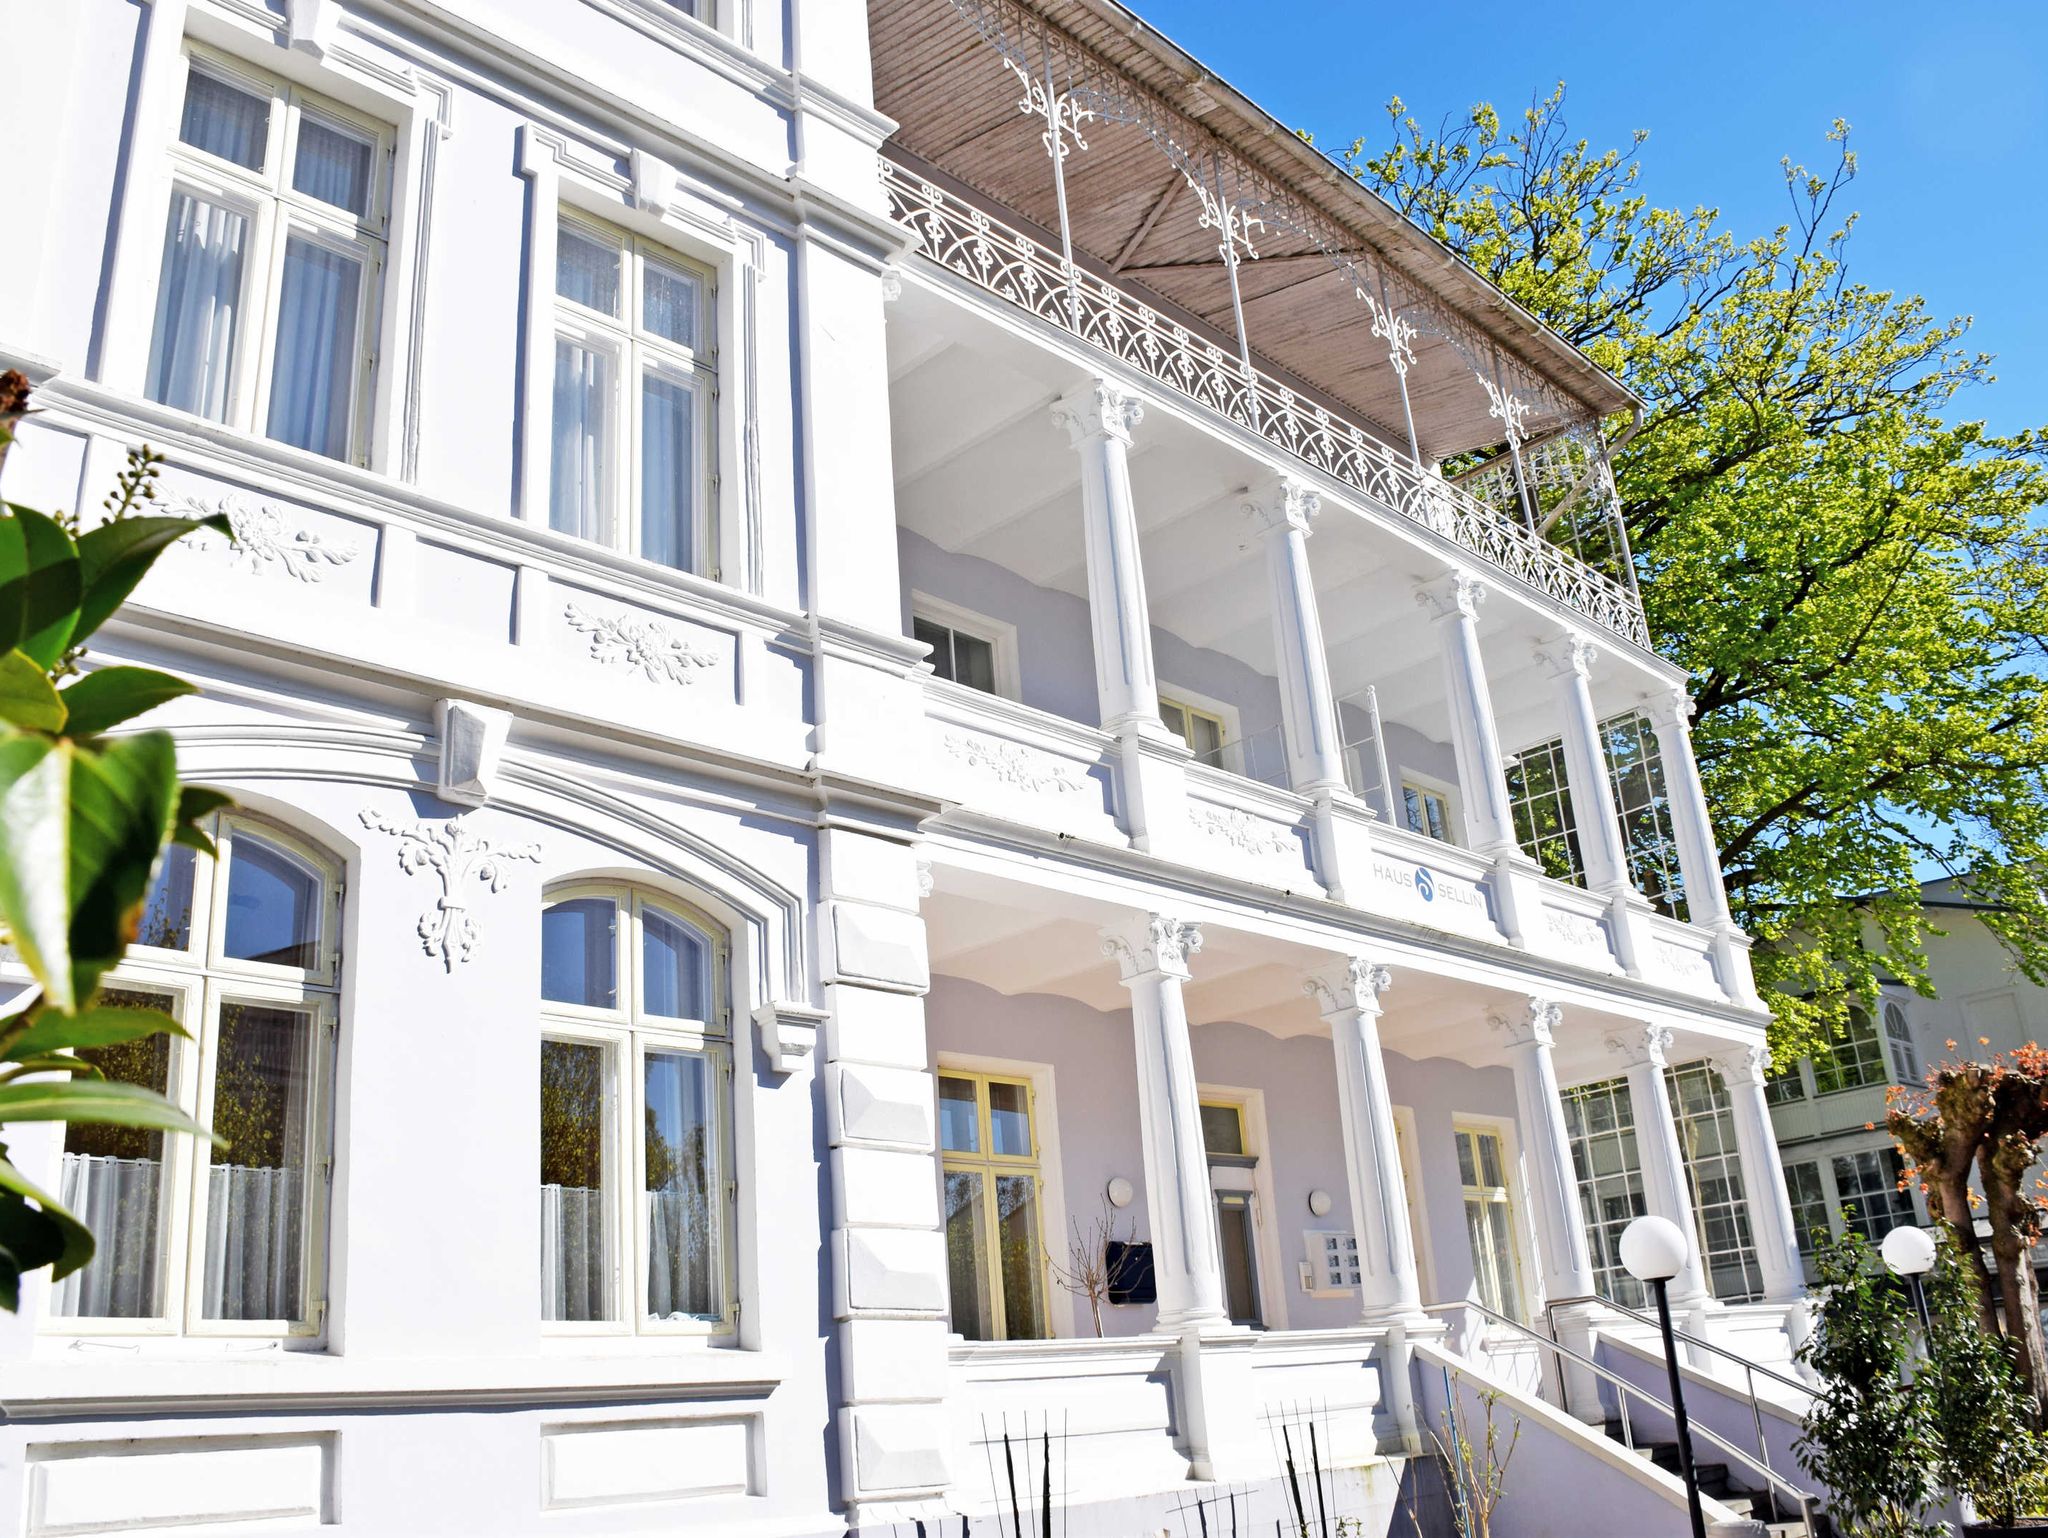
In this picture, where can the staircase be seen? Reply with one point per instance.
(1780, 1517)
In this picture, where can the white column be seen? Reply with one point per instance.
(1349, 1000)
(1699, 859)
(1151, 953)
(1099, 418)
(1665, 1191)
(1744, 1070)
(1566, 1264)
(1455, 600)
(1585, 758)
(1281, 508)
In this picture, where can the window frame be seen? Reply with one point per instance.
(1520, 1239)
(1831, 1070)
(1902, 1051)
(637, 353)
(276, 211)
(201, 982)
(1229, 733)
(989, 1165)
(627, 1034)
(1405, 780)
(1000, 636)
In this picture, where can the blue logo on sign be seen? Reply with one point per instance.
(1425, 883)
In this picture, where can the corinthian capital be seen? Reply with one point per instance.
(1282, 502)
(1356, 984)
(1153, 946)
(1098, 410)
(1649, 1044)
(1535, 1026)
(1570, 654)
(1744, 1067)
(1455, 593)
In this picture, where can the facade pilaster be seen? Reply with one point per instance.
(1699, 857)
(888, 1251)
(1744, 1070)
(1099, 419)
(1645, 1053)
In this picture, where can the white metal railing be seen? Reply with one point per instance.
(967, 241)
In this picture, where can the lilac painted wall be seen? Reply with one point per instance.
(1094, 1108)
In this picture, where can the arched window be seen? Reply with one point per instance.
(635, 1114)
(241, 948)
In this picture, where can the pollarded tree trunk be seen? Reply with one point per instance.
(1944, 1152)
(2003, 1166)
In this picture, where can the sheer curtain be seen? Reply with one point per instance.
(118, 1199)
(223, 120)
(256, 1186)
(577, 500)
(313, 374)
(682, 1229)
(333, 166)
(668, 411)
(198, 302)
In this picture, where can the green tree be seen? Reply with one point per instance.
(85, 813)
(1850, 570)
(1983, 1415)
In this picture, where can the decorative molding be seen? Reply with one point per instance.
(1744, 1067)
(1648, 1046)
(1456, 594)
(1686, 963)
(924, 878)
(1157, 946)
(449, 930)
(1103, 409)
(1355, 985)
(1568, 655)
(630, 642)
(1012, 763)
(261, 541)
(1254, 835)
(1283, 503)
(472, 741)
(1537, 1026)
(312, 25)
(1576, 928)
(789, 1033)
(654, 183)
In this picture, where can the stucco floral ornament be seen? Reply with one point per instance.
(263, 541)
(454, 853)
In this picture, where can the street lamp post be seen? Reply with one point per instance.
(1653, 1250)
(1909, 1252)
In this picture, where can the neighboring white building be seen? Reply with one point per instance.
(728, 624)
(1829, 1111)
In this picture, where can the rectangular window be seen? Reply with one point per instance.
(957, 656)
(995, 1253)
(1540, 798)
(577, 1181)
(631, 463)
(1705, 1121)
(1490, 1221)
(1635, 768)
(1855, 1060)
(1426, 811)
(1201, 731)
(1601, 1121)
(267, 291)
(1809, 1205)
(1785, 1086)
(1868, 1184)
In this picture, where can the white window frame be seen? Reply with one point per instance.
(635, 352)
(1527, 1273)
(1454, 813)
(200, 980)
(1000, 636)
(1232, 744)
(275, 212)
(1408, 1140)
(627, 1037)
(1897, 1025)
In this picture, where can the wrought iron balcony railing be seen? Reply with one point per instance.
(968, 242)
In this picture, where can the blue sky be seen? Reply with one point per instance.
(1949, 106)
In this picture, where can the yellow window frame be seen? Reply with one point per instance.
(990, 1165)
(1502, 1195)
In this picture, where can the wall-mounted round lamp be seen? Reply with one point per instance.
(1319, 1203)
(1120, 1191)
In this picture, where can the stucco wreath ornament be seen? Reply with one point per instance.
(454, 853)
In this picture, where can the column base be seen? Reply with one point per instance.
(1152, 788)
(1575, 1329)
(1220, 1412)
(1343, 844)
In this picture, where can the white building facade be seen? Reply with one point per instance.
(888, 688)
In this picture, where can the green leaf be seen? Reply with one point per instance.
(27, 697)
(100, 1102)
(195, 804)
(114, 557)
(39, 585)
(101, 1027)
(76, 1239)
(35, 898)
(108, 696)
(122, 797)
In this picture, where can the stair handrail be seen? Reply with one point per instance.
(1623, 1388)
(1754, 1368)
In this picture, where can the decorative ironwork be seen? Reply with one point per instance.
(968, 242)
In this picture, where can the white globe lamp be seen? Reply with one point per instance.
(1909, 1251)
(1654, 1250)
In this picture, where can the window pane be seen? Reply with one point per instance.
(668, 472)
(198, 299)
(959, 1131)
(683, 1265)
(1234, 1237)
(668, 304)
(578, 961)
(167, 915)
(273, 905)
(940, 640)
(587, 270)
(312, 377)
(967, 1270)
(1412, 810)
(1439, 816)
(1009, 1119)
(224, 120)
(1023, 1274)
(575, 1236)
(112, 1179)
(333, 166)
(1222, 1131)
(579, 499)
(256, 1185)
(1175, 718)
(1500, 1245)
(1205, 736)
(675, 983)
(974, 662)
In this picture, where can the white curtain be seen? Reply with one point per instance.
(224, 121)
(668, 412)
(332, 166)
(119, 1200)
(582, 429)
(682, 1227)
(254, 1239)
(572, 1253)
(198, 301)
(254, 1230)
(314, 371)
